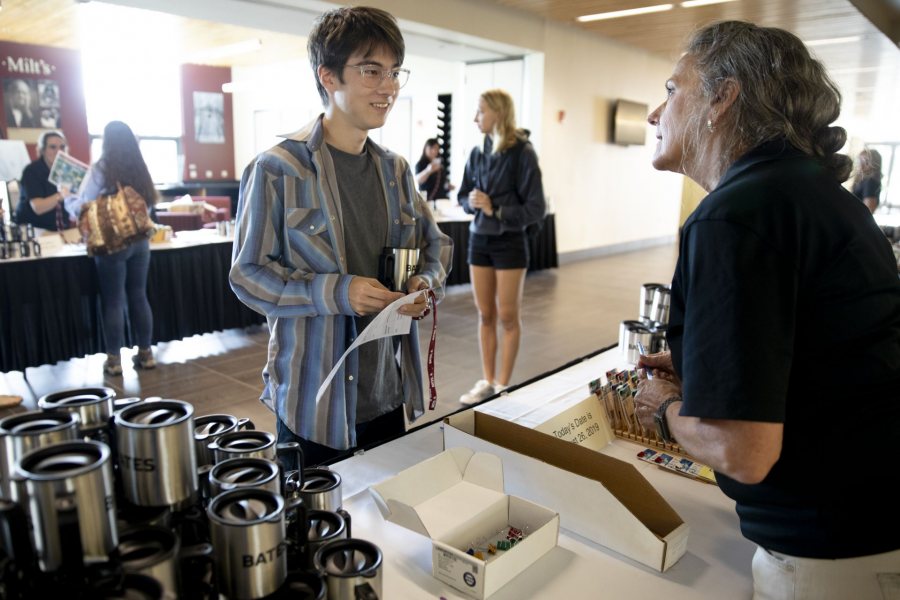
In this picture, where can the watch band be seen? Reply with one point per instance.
(662, 423)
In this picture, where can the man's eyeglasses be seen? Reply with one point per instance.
(372, 75)
(56, 146)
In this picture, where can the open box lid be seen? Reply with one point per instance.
(600, 497)
(438, 494)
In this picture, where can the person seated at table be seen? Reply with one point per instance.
(783, 372)
(431, 175)
(122, 274)
(38, 198)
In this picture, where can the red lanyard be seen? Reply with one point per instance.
(432, 300)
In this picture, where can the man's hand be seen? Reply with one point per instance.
(368, 296)
(480, 200)
(420, 307)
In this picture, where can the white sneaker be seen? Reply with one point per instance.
(482, 390)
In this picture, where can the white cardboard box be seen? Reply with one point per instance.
(457, 497)
(599, 497)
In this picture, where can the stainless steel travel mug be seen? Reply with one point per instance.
(67, 489)
(21, 433)
(247, 527)
(156, 453)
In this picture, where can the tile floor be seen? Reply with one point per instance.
(568, 312)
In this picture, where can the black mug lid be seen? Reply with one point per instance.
(37, 421)
(245, 507)
(348, 558)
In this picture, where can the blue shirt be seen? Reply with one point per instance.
(290, 264)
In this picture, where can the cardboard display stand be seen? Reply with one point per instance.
(599, 497)
(456, 498)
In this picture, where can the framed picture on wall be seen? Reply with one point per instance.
(48, 102)
(20, 100)
(209, 117)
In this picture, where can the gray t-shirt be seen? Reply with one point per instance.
(365, 220)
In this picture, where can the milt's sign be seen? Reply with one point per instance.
(27, 65)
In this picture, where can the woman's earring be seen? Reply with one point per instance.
(709, 125)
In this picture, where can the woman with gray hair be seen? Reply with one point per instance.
(784, 329)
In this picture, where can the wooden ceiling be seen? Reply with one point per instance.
(867, 70)
(72, 24)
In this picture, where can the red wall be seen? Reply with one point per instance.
(211, 155)
(44, 66)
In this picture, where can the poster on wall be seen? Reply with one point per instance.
(31, 103)
(209, 117)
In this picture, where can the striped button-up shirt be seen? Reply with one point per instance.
(290, 264)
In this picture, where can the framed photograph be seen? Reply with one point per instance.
(209, 117)
(20, 101)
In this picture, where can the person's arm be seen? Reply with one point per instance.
(90, 189)
(468, 182)
(736, 349)
(743, 450)
(259, 276)
(871, 193)
(45, 204)
(531, 206)
(432, 167)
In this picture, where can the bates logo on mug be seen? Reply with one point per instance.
(137, 464)
(264, 557)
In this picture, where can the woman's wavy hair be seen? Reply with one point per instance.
(122, 163)
(784, 91)
(505, 132)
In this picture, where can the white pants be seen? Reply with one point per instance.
(778, 576)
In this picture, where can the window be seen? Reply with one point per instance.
(129, 76)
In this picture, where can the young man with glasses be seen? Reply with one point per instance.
(38, 198)
(314, 215)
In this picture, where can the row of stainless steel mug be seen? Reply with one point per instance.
(66, 482)
(654, 306)
(633, 335)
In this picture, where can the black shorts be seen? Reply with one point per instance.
(505, 251)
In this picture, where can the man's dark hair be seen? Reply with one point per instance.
(344, 31)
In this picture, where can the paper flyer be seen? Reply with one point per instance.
(387, 323)
(67, 171)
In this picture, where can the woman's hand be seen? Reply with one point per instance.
(481, 201)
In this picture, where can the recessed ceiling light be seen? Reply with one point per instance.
(693, 3)
(625, 13)
(831, 41)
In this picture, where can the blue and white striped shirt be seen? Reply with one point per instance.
(289, 263)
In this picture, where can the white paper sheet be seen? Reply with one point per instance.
(388, 322)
